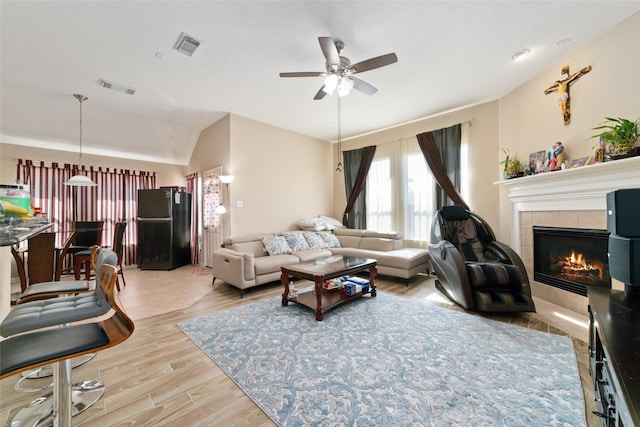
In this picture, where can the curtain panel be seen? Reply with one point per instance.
(357, 164)
(441, 150)
(113, 200)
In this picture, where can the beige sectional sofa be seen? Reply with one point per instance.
(244, 262)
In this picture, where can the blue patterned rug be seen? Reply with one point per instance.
(387, 361)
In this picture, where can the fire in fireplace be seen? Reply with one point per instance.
(571, 258)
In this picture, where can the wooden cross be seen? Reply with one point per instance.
(562, 86)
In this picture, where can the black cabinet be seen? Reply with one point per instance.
(614, 354)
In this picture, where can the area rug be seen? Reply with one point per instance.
(387, 361)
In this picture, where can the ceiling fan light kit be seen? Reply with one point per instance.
(345, 86)
(339, 70)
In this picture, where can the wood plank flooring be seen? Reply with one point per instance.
(160, 378)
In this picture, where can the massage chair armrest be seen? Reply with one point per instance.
(513, 257)
(443, 250)
(450, 268)
(233, 266)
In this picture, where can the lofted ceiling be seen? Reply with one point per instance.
(451, 54)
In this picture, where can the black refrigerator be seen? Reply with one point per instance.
(164, 229)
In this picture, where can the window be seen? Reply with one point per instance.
(379, 195)
(400, 192)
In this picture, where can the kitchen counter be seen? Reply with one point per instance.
(10, 235)
(16, 233)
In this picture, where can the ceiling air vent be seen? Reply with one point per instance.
(117, 86)
(186, 44)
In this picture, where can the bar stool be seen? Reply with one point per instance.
(45, 290)
(60, 311)
(59, 345)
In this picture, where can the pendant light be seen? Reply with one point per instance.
(80, 180)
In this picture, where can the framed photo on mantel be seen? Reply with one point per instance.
(537, 159)
(576, 163)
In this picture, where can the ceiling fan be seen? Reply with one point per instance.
(339, 70)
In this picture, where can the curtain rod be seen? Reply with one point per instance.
(469, 122)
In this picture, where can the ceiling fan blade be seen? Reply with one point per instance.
(321, 94)
(373, 63)
(304, 74)
(363, 86)
(330, 52)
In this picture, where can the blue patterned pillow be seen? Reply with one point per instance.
(296, 242)
(314, 240)
(276, 245)
(330, 239)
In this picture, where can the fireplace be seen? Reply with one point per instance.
(571, 258)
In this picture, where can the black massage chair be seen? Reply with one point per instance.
(472, 268)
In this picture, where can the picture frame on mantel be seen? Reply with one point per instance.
(576, 163)
(536, 160)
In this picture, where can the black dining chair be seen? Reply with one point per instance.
(84, 257)
(86, 235)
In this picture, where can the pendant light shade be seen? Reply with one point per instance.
(80, 180)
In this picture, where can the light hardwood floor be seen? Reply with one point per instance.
(159, 377)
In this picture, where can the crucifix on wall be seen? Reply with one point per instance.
(562, 86)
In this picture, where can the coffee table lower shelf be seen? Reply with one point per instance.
(308, 298)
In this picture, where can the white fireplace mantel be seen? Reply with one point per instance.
(582, 188)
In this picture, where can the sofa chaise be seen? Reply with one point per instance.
(256, 259)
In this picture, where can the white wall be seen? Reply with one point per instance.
(281, 177)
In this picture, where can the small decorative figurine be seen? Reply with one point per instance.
(558, 153)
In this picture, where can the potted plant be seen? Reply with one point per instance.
(620, 135)
(512, 165)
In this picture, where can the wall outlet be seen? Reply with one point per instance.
(239, 204)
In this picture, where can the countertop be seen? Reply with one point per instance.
(22, 230)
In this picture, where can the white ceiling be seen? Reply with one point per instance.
(450, 55)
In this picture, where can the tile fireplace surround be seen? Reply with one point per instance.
(569, 198)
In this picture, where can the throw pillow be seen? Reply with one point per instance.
(311, 224)
(276, 245)
(296, 242)
(330, 239)
(314, 240)
(331, 223)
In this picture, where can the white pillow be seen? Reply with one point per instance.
(311, 224)
(331, 223)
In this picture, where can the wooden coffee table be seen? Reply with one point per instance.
(318, 271)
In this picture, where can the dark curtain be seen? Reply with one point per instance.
(441, 150)
(356, 168)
